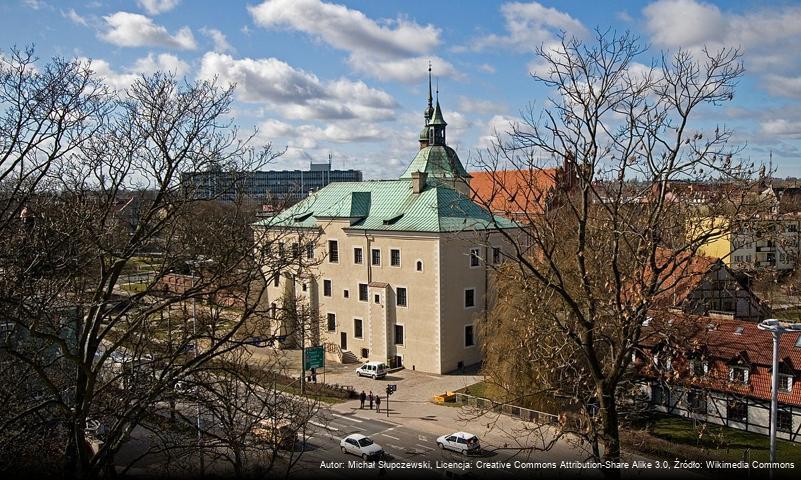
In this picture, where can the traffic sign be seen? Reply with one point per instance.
(314, 358)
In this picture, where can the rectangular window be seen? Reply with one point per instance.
(660, 395)
(696, 401)
(785, 382)
(737, 411)
(738, 375)
(346, 293)
(276, 280)
(377, 298)
(398, 334)
(357, 328)
(376, 257)
(295, 250)
(400, 295)
(470, 298)
(496, 255)
(333, 251)
(362, 292)
(309, 250)
(474, 257)
(699, 367)
(784, 420)
(281, 251)
(394, 257)
(469, 341)
(327, 287)
(332, 322)
(357, 255)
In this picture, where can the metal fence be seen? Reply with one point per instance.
(524, 414)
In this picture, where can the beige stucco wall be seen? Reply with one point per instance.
(434, 319)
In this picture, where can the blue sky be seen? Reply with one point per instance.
(349, 77)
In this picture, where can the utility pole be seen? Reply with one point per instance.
(776, 327)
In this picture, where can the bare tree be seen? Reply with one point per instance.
(612, 237)
(98, 177)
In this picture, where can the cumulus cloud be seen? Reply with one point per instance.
(781, 127)
(528, 26)
(768, 37)
(154, 7)
(126, 29)
(295, 93)
(120, 80)
(310, 136)
(497, 126)
(393, 49)
(221, 44)
(486, 68)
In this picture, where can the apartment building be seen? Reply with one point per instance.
(399, 270)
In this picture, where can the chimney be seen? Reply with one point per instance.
(418, 181)
(569, 171)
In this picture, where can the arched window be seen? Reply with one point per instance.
(419, 265)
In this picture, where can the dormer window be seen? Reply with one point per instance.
(738, 374)
(699, 367)
(785, 383)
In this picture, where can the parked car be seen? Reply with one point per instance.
(373, 370)
(358, 444)
(278, 433)
(462, 442)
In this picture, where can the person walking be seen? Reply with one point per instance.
(362, 398)
(370, 397)
(377, 403)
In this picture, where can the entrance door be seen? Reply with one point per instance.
(343, 342)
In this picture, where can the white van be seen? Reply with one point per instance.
(373, 370)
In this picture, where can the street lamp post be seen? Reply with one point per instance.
(776, 327)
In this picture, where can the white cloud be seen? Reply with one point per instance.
(405, 70)
(120, 80)
(484, 107)
(221, 44)
(528, 26)
(781, 127)
(497, 126)
(392, 49)
(35, 4)
(126, 29)
(296, 93)
(768, 37)
(154, 7)
(486, 68)
(73, 17)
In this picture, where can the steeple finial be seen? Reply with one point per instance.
(429, 85)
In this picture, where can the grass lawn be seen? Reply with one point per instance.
(717, 442)
(134, 287)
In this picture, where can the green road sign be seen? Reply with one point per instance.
(314, 358)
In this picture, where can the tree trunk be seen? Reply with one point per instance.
(610, 433)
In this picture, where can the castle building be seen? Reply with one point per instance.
(396, 271)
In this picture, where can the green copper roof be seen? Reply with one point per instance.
(389, 205)
(437, 118)
(438, 161)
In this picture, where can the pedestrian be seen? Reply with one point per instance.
(377, 403)
(313, 375)
(362, 397)
(370, 397)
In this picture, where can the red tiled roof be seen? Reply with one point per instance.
(684, 275)
(514, 192)
(725, 342)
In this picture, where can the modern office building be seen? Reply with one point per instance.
(272, 185)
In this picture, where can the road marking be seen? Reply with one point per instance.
(424, 446)
(422, 438)
(395, 446)
(389, 436)
(347, 417)
(323, 426)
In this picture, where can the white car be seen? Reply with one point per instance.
(462, 442)
(373, 370)
(358, 444)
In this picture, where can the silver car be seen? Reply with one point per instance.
(462, 442)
